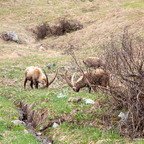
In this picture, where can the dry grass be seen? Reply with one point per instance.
(100, 20)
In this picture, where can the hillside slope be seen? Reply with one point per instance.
(78, 122)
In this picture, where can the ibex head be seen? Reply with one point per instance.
(89, 79)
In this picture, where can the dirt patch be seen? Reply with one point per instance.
(32, 120)
(37, 121)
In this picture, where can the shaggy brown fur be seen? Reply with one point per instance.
(94, 62)
(94, 78)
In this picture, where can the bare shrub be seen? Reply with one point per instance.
(61, 27)
(70, 26)
(125, 59)
(42, 30)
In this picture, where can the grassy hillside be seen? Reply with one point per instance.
(79, 122)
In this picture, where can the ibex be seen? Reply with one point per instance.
(90, 79)
(36, 76)
(94, 62)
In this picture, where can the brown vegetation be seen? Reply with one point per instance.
(125, 60)
(61, 27)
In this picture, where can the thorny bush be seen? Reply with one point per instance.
(125, 61)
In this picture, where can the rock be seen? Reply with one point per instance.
(55, 125)
(61, 95)
(25, 131)
(123, 116)
(41, 48)
(42, 127)
(50, 65)
(77, 100)
(11, 36)
(38, 133)
(88, 101)
(18, 122)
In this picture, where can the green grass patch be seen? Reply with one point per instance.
(73, 133)
(10, 133)
(137, 4)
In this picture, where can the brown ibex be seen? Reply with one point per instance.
(36, 75)
(94, 62)
(90, 79)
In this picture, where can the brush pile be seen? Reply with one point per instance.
(125, 60)
(58, 28)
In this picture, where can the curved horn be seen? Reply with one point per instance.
(53, 78)
(68, 81)
(72, 79)
(47, 82)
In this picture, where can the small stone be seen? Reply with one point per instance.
(38, 133)
(123, 116)
(42, 127)
(61, 95)
(41, 48)
(12, 36)
(18, 122)
(88, 101)
(55, 125)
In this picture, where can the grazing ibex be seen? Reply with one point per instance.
(36, 75)
(89, 79)
(94, 62)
